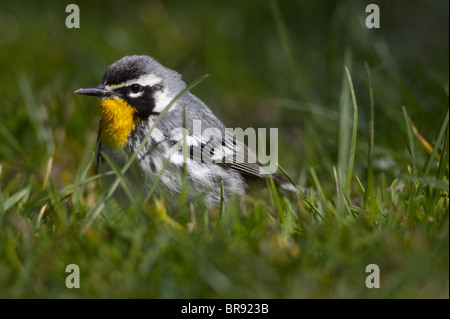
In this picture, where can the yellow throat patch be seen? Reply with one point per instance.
(117, 122)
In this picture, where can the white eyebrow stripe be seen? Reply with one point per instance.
(144, 80)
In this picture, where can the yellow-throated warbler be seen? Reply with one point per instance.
(133, 92)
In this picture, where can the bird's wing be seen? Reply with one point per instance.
(222, 147)
(239, 157)
(226, 151)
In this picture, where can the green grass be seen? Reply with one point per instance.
(363, 126)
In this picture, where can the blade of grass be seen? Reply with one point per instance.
(41, 214)
(38, 116)
(344, 128)
(360, 184)
(222, 198)
(282, 31)
(48, 170)
(83, 177)
(276, 198)
(429, 181)
(312, 206)
(411, 147)
(8, 138)
(443, 164)
(317, 184)
(339, 198)
(118, 173)
(14, 199)
(183, 192)
(351, 156)
(64, 192)
(84, 182)
(411, 206)
(421, 139)
(438, 142)
(158, 177)
(287, 176)
(368, 198)
(301, 86)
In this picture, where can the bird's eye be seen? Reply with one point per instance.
(135, 88)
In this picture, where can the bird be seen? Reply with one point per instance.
(133, 93)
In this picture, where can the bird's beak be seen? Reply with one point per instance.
(98, 90)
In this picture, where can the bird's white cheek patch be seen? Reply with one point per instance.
(161, 101)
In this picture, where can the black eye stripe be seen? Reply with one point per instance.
(143, 103)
